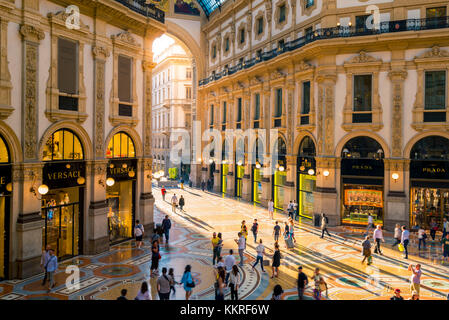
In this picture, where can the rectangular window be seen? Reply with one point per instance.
(282, 13)
(211, 122)
(360, 23)
(257, 106)
(239, 109)
(362, 92)
(308, 32)
(188, 92)
(281, 44)
(124, 79)
(260, 25)
(214, 52)
(305, 107)
(309, 3)
(242, 35)
(67, 66)
(435, 90)
(438, 12)
(188, 73)
(227, 44)
(278, 105)
(224, 112)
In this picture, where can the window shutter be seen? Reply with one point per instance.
(67, 66)
(124, 79)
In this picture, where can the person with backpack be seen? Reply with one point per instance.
(324, 222)
(255, 229)
(234, 282)
(51, 267)
(163, 285)
(181, 203)
(138, 232)
(187, 281)
(166, 226)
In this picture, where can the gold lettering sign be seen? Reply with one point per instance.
(362, 167)
(3, 180)
(434, 170)
(63, 175)
(120, 170)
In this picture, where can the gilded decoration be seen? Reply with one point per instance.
(362, 64)
(433, 59)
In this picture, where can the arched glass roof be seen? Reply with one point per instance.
(210, 6)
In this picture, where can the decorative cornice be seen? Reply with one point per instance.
(435, 52)
(362, 57)
(31, 33)
(100, 52)
(125, 38)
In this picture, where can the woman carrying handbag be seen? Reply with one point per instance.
(187, 281)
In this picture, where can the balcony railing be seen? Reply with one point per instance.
(147, 10)
(335, 32)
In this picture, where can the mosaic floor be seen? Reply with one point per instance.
(339, 258)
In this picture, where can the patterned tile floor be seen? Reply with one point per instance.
(339, 258)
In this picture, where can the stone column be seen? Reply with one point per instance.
(29, 222)
(97, 234)
(146, 202)
(325, 196)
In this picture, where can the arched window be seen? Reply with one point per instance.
(307, 148)
(430, 148)
(362, 148)
(4, 151)
(121, 146)
(63, 145)
(258, 152)
(280, 150)
(240, 150)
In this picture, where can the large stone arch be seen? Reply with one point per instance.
(299, 138)
(189, 44)
(419, 136)
(129, 131)
(13, 143)
(362, 133)
(78, 130)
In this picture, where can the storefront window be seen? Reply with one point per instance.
(63, 145)
(224, 174)
(306, 177)
(257, 185)
(122, 168)
(279, 193)
(306, 187)
(5, 189)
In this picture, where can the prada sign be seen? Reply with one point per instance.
(428, 169)
(122, 170)
(362, 167)
(64, 174)
(5, 179)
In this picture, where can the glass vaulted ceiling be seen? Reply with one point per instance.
(210, 6)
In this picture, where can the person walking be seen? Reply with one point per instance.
(292, 230)
(234, 282)
(51, 267)
(171, 273)
(277, 292)
(244, 230)
(415, 279)
(181, 203)
(270, 208)
(44, 259)
(166, 226)
(370, 223)
(405, 238)
(433, 229)
(220, 285)
(397, 295)
(276, 231)
(445, 228)
(260, 249)
(286, 233)
(255, 230)
(123, 294)
(174, 202)
(229, 263)
(320, 284)
(155, 256)
(163, 285)
(163, 191)
(139, 233)
(378, 237)
(397, 235)
(242, 247)
(276, 261)
(324, 222)
(290, 209)
(220, 244)
(445, 247)
(182, 184)
(203, 185)
(214, 242)
(415, 296)
(295, 210)
(366, 250)
(187, 281)
(144, 293)
(421, 238)
(301, 283)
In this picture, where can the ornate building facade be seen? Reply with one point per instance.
(358, 93)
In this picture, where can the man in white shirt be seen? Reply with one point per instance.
(242, 246)
(174, 202)
(378, 236)
(405, 238)
(270, 208)
(260, 249)
(229, 262)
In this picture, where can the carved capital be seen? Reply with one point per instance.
(31, 33)
(100, 52)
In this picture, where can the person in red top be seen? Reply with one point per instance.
(163, 191)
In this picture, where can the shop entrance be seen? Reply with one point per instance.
(429, 182)
(306, 178)
(239, 167)
(362, 182)
(280, 174)
(5, 195)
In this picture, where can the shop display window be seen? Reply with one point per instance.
(429, 205)
(120, 214)
(121, 146)
(63, 145)
(361, 200)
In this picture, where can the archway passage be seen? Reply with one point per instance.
(362, 182)
(280, 173)
(429, 183)
(5, 211)
(306, 177)
(62, 192)
(121, 187)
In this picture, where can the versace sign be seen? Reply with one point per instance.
(64, 174)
